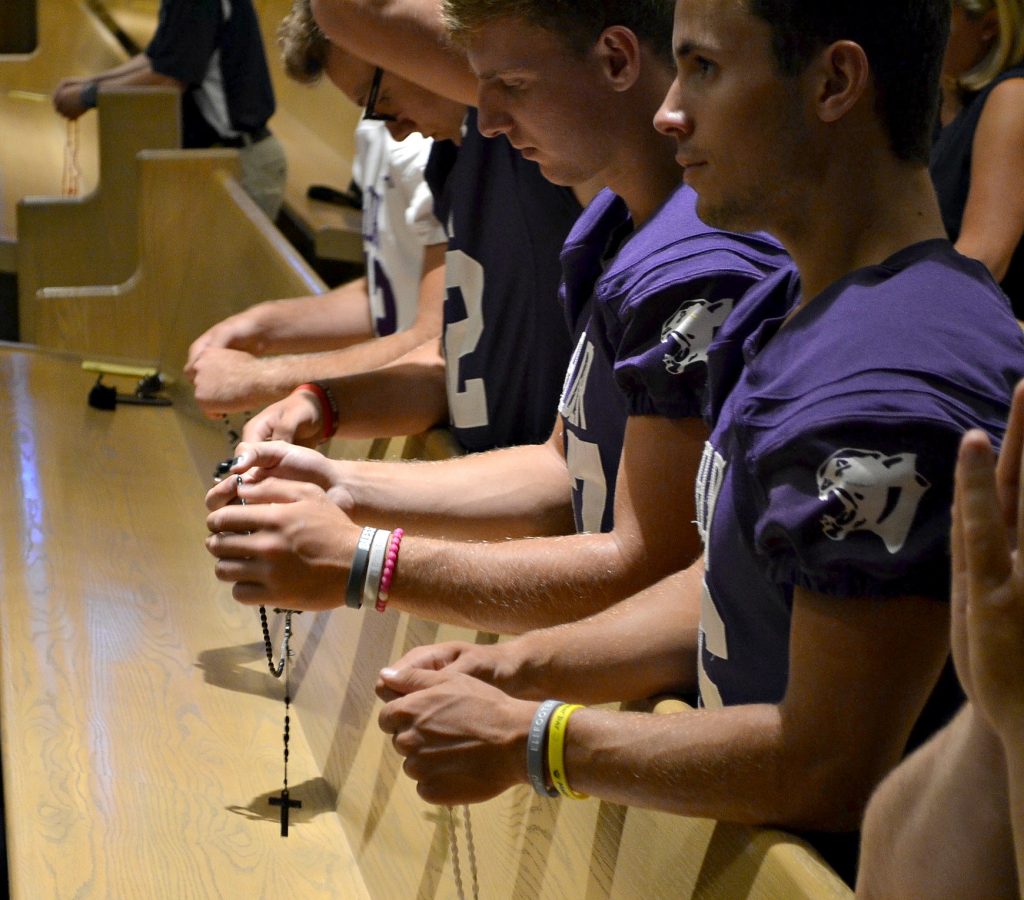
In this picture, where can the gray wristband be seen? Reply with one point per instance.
(375, 565)
(536, 744)
(357, 575)
(88, 95)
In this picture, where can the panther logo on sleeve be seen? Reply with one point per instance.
(879, 493)
(689, 331)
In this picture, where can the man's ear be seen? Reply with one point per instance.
(844, 75)
(619, 54)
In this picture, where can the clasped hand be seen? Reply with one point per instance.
(289, 545)
(463, 741)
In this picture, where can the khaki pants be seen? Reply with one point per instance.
(263, 174)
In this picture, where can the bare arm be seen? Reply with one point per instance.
(514, 586)
(229, 379)
(511, 492)
(993, 221)
(308, 324)
(642, 646)
(950, 794)
(963, 791)
(137, 72)
(797, 764)
(407, 37)
(508, 586)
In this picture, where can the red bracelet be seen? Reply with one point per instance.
(328, 408)
(386, 576)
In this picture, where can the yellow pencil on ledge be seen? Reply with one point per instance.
(28, 95)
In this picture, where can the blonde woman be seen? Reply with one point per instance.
(977, 162)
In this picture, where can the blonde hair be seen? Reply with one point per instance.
(304, 46)
(1008, 48)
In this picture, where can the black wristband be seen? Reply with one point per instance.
(357, 574)
(88, 95)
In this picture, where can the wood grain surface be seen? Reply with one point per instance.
(140, 730)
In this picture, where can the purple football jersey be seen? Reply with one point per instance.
(643, 306)
(505, 342)
(830, 463)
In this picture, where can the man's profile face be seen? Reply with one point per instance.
(547, 100)
(740, 126)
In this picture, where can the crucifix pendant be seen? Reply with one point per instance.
(285, 803)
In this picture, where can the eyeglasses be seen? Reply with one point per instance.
(371, 101)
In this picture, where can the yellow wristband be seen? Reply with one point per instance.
(557, 725)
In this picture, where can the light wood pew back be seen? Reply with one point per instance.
(72, 41)
(94, 239)
(141, 733)
(206, 251)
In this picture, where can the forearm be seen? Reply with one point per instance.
(137, 72)
(398, 399)
(315, 324)
(135, 64)
(507, 493)
(406, 37)
(953, 786)
(513, 586)
(642, 646)
(388, 406)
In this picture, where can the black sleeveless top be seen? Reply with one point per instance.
(950, 168)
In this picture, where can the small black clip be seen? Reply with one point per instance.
(102, 396)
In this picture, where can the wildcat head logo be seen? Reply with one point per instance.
(878, 493)
(689, 331)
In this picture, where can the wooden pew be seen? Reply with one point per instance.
(94, 239)
(141, 735)
(71, 41)
(315, 124)
(205, 252)
(99, 602)
(141, 732)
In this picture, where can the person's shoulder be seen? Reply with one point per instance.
(925, 335)
(1004, 103)
(675, 247)
(932, 279)
(605, 214)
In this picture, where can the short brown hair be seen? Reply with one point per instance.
(303, 45)
(580, 22)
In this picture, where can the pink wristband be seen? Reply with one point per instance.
(388, 574)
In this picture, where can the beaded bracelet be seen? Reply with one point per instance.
(357, 574)
(556, 750)
(328, 405)
(387, 576)
(535, 746)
